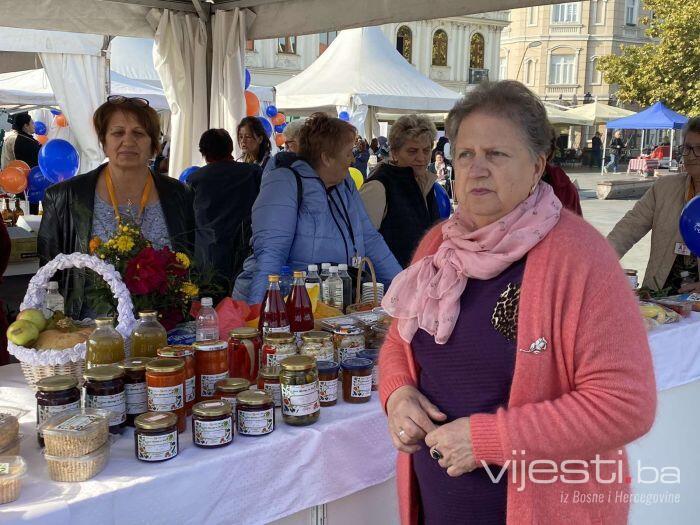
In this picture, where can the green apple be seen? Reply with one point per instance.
(34, 316)
(23, 333)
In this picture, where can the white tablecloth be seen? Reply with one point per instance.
(253, 480)
(675, 349)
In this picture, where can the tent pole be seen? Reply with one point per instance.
(670, 151)
(605, 142)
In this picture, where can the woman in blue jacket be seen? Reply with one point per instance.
(314, 215)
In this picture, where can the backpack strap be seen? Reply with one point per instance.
(300, 189)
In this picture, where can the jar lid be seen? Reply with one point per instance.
(315, 337)
(270, 372)
(165, 365)
(56, 383)
(298, 363)
(244, 332)
(348, 329)
(232, 385)
(210, 346)
(327, 367)
(369, 353)
(212, 408)
(104, 321)
(175, 351)
(147, 313)
(103, 373)
(254, 397)
(135, 364)
(155, 420)
(356, 363)
(279, 337)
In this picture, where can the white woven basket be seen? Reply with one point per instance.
(38, 364)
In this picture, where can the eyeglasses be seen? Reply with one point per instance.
(687, 149)
(121, 99)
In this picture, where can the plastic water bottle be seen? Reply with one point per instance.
(347, 285)
(334, 285)
(207, 321)
(53, 301)
(312, 279)
(286, 281)
(325, 273)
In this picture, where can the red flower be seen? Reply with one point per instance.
(171, 318)
(146, 273)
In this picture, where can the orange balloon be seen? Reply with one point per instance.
(278, 119)
(280, 139)
(42, 139)
(252, 104)
(60, 121)
(20, 165)
(13, 180)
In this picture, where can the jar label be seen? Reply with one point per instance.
(165, 398)
(328, 391)
(190, 389)
(156, 448)
(208, 383)
(116, 404)
(78, 423)
(276, 358)
(275, 330)
(361, 386)
(300, 400)
(136, 398)
(348, 353)
(275, 392)
(256, 423)
(232, 400)
(43, 412)
(212, 433)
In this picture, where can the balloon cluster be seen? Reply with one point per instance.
(13, 179)
(272, 121)
(58, 160)
(40, 129)
(443, 201)
(690, 225)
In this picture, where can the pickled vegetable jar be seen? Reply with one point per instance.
(278, 346)
(348, 340)
(299, 385)
(318, 345)
(244, 346)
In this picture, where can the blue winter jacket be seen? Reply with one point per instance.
(315, 233)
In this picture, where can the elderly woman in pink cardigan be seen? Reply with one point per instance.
(517, 367)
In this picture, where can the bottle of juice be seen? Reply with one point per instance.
(347, 285)
(148, 335)
(299, 310)
(273, 314)
(105, 346)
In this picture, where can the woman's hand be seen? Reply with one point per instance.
(411, 418)
(454, 443)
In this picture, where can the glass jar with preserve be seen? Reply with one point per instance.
(348, 340)
(135, 387)
(299, 385)
(255, 413)
(228, 389)
(156, 437)
(318, 345)
(55, 394)
(278, 346)
(148, 335)
(104, 388)
(211, 361)
(357, 380)
(269, 381)
(165, 380)
(212, 424)
(244, 346)
(327, 382)
(186, 354)
(373, 354)
(105, 346)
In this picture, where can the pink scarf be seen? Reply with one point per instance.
(427, 294)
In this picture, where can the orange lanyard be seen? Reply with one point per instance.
(144, 196)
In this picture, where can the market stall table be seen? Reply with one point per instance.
(642, 165)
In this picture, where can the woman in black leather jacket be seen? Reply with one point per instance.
(122, 190)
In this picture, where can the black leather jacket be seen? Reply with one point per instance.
(66, 226)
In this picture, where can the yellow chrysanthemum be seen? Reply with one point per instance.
(189, 289)
(124, 243)
(183, 259)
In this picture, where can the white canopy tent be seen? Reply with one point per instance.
(363, 74)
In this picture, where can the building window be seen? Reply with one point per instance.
(476, 51)
(595, 76)
(530, 73)
(532, 16)
(440, 48)
(250, 45)
(566, 13)
(561, 69)
(404, 42)
(325, 40)
(287, 45)
(503, 68)
(598, 11)
(631, 12)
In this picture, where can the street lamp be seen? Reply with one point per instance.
(536, 43)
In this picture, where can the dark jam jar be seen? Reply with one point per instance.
(156, 436)
(55, 394)
(255, 413)
(135, 387)
(373, 354)
(104, 388)
(212, 424)
(327, 382)
(357, 380)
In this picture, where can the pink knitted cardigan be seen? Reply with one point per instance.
(584, 397)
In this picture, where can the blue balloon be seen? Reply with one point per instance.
(280, 128)
(39, 128)
(55, 112)
(443, 201)
(690, 225)
(266, 124)
(187, 172)
(247, 78)
(59, 160)
(344, 115)
(271, 111)
(36, 185)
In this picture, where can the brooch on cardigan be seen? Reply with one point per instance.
(537, 347)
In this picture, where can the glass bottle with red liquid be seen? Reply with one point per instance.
(299, 309)
(273, 314)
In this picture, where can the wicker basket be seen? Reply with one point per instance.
(359, 305)
(39, 364)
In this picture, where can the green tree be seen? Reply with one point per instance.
(667, 69)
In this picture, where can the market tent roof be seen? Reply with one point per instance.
(361, 67)
(657, 116)
(560, 116)
(598, 113)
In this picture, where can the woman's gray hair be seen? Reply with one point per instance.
(291, 131)
(411, 127)
(692, 126)
(509, 99)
